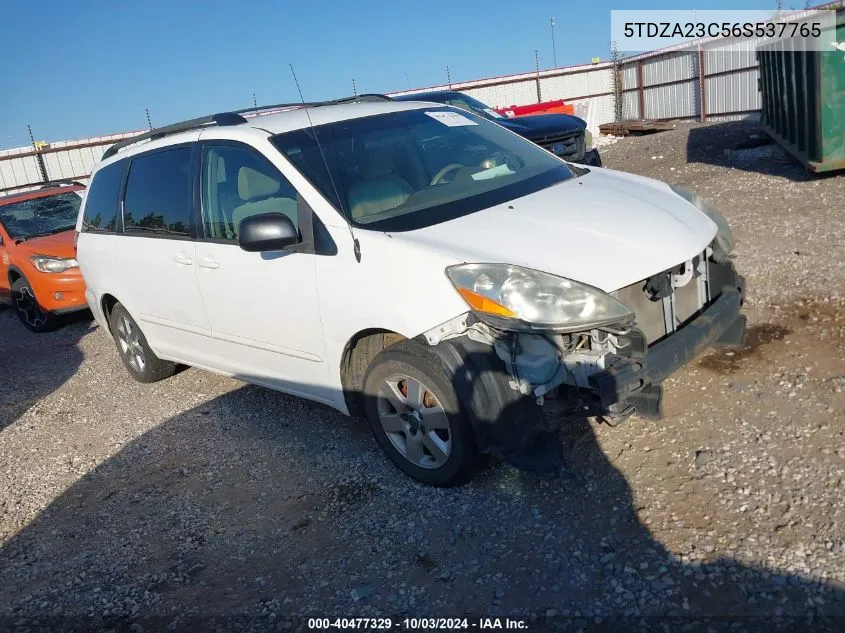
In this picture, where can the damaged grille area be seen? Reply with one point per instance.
(663, 303)
(570, 145)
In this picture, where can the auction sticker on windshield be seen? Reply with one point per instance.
(452, 119)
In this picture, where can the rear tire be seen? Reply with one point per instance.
(415, 416)
(32, 315)
(140, 361)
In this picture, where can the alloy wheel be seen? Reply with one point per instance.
(128, 337)
(28, 307)
(415, 421)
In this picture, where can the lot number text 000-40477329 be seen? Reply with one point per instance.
(418, 624)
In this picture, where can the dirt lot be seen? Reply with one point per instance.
(200, 502)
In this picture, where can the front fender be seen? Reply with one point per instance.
(507, 424)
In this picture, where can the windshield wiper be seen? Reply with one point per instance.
(24, 238)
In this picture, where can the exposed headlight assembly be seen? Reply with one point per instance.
(47, 264)
(522, 299)
(724, 237)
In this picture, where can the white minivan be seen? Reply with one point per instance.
(464, 289)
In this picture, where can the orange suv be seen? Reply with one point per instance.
(39, 275)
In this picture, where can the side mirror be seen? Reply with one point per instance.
(266, 232)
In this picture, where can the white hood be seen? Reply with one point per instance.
(607, 229)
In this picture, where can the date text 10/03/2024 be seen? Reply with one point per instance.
(417, 624)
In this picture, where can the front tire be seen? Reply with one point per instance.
(140, 361)
(415, 416)
(29, 311)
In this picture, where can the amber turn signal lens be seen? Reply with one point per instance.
(483, 304)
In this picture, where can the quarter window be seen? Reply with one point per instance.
(101, 209)
(237, 183)
(158, 194)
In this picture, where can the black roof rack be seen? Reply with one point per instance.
(232, 118)
(224, 118)
(362, 98)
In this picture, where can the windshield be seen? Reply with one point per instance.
(411, 169)
(465, 102)
(40, 216)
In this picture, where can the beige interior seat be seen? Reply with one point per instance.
(258, 191)
(380, 190)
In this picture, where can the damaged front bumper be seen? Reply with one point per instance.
(624, 387)
(517, 420)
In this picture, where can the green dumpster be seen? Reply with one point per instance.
(803, 100)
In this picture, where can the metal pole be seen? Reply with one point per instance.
(354, 88)
(408, 80)
(554, 49)
(39, 158)
(149, 123)
(449, 76)
(640, 91)
(537, 67)
(254, 101)
(617, 83)
(702, 79)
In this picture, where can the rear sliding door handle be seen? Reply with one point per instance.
(181, 258)
(207, 262)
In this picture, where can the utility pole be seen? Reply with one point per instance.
(554, 48)
(617, 83)
(38, 157)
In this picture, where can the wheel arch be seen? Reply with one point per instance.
(107, 303)
(15, 273)
(358, 353)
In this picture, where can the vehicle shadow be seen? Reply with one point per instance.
(255, 510)
(28, 374)
(745, 145)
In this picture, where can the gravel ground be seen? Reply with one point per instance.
(200, 503)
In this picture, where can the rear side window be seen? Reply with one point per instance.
(158, 194)
(101, 208)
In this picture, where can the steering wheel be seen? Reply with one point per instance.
(450, 167)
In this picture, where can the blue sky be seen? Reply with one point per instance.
(87, 68)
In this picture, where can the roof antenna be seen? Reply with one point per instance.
(356, 247)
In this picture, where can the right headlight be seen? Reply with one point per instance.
(522, 299)
(49, 264)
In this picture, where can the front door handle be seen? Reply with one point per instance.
(207, 262)
(181, 258)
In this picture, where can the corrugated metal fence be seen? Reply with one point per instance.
(589, 88)
(72, 160)
(707, 84)
(719, 82)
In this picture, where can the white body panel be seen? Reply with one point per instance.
(283, 320)
(606, 229)
(264, 317)
(157, 282)
(396, 287)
